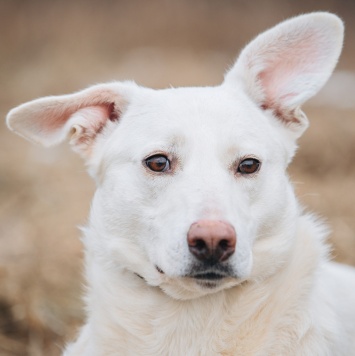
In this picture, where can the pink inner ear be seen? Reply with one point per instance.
(95, 117)
(92, 119)
(55, 115)
(85, 124)
(286, 65)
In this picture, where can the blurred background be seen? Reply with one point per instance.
(56, 47)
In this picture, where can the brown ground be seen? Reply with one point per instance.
(56, 47)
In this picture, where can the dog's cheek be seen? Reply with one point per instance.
(141, 210)
(165, 241)
(119, 202)
(275, 214)
(143, 205)
(269, 193)
(281, 207)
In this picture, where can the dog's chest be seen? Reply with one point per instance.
(205, 327)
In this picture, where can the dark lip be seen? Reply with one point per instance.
(209, 276)
(212, 273)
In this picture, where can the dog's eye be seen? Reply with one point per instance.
(158, 163)
(249, 166)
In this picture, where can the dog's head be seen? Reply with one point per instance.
(192, 191)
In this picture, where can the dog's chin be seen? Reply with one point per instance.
(184, 288)
(197, 283)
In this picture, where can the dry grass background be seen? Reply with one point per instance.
(54, 47)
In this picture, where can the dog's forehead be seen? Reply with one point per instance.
(202, 107)
(192, 115)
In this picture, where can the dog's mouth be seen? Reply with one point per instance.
(209, 279)
(209, 276)
(206, 277)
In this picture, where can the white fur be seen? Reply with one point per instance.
(282, 296)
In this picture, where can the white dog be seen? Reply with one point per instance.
(196, 244)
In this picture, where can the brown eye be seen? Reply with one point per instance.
(158, 163)
(249, 166)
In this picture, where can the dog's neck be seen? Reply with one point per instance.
(140, 319)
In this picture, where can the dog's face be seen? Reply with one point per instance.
(192, 191)
(181, 156)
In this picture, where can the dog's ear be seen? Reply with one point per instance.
(286, 65)
(81, 116)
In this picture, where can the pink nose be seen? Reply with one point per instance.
(211, 240)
